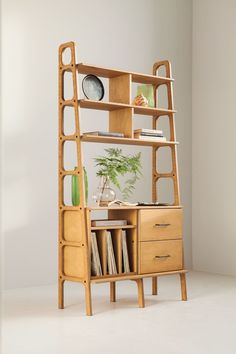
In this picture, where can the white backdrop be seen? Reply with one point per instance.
(129, 35)
(214, 143)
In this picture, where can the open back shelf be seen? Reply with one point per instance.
(113, 106)
(125, 141)
(151, 244)
(112, 73)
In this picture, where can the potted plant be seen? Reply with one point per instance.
(110, 167)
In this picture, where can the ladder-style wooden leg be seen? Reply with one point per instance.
(61, 293)
(154, 285)
(88, 299)
(112, 291)
(141, 302)
(183, 286)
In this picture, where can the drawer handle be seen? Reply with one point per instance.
(166, 256)
(161, 225)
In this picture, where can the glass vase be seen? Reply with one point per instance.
(104, 194)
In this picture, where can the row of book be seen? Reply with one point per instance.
(143, 134)
(96, 261)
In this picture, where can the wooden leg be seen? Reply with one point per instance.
(183, 286)
(88, 299)
(154, 285)
(61, 293)
(112, 291)
(141, 302)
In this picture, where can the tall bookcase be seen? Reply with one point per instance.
(154, 234)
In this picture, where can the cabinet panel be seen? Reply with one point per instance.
(74, 261)
(73, 223)
(162, 224)
(161, 256)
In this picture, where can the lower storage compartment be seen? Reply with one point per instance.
(160, 256)
(113, 251)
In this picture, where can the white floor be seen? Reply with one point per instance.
(206, 324)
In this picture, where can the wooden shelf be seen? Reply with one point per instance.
(93, 228)
(132, 276)
(111, 73)
(125, 141)
(134, 207)
(112, 106)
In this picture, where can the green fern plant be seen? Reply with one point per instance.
(115, 164)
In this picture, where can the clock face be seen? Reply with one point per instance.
(93, 88)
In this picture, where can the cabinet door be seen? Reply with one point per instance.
(161, 256)
(162, 224)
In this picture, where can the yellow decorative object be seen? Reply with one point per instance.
(140, 100)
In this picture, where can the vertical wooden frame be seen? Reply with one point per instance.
(73, 102)
(174, 173)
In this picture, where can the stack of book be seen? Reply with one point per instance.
(108, 222)
(104, 133)
(149, 134)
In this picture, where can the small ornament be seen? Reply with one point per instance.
(140, 100)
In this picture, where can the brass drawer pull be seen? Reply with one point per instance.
(166, 256)
(161, 225)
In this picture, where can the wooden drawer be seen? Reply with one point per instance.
(160, 256)
(162, 224)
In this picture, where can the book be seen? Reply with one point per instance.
(110, 255)
(108, 222)
(144, 130)
(103, 133)
(152, 138)
(137, 135)
(118, 202)
(126, 265)
(96, 268)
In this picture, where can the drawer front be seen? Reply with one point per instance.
(162, 224)
(160, 256)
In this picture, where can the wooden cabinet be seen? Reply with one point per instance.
(160, 240)
(154, 233)
(160, 256)
(162, 224)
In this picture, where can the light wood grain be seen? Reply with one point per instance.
(113, 106)
(160, 224)
(158, 256)
(141, 301)
(74, 261)
(132, 276)
(73, 221)
(124, 141)
(183, 286)
(112, 291)
(120, 89)
(154, 285)
(112, 73)
(120, 121)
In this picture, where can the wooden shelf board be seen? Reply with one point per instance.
(112, 227)
(134, 207)
(110, 73)
(125, 141)
(133, 276)
(112, 106)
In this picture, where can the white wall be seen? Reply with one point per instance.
(214, 143)
(125, 34)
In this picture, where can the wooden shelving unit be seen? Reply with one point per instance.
(154, 234)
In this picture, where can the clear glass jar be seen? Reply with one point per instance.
(104, 194)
